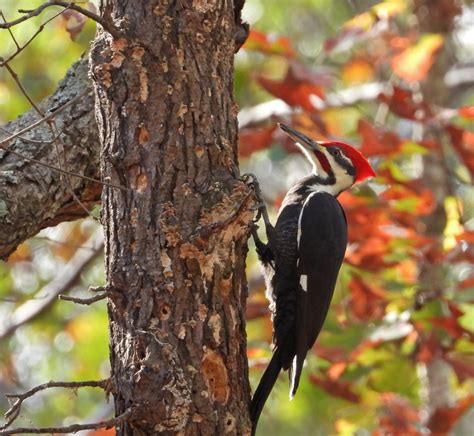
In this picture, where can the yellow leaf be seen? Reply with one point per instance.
(414, 63)
(357, 71)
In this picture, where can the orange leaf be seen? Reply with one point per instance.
(357, 71)
(467, 236)
(269, 44)
(367, 301)
(466, 112)
(336, 370)
(414, 63)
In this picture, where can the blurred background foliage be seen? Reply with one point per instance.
(394, 78)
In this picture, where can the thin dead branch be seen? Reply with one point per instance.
(69, 5)
(49, 293)
(14, 410)
(73, 428)
(33, 37)
(85, 301)
(44, 119)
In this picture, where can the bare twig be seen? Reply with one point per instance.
(27, 43)
(44, 119)
(31, 141)
(59, 170)
(10, 31)
(49, 293)
(85, 301)
(52, 167)
(74, 428)
(22, 88)
(14, 410)
(70, 5)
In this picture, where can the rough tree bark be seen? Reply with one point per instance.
(32, 196)
(176, 240)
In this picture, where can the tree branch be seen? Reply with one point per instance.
(32, 196)
(85, 301)
(14, 411)
(74, 428)
(49, 293)
(67, 5)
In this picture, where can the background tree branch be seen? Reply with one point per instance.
(32, 196)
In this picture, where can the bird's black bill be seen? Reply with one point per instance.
(299, 137)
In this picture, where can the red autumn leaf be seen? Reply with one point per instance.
(455, 311)
(402, 103)
(400, 417)
(297, 87)
(465, 284)
(443, 419)
(331, 354)
(463, 366)
(463, 142)
(466, 112)
(366, 301)
(74, 22)
(414, 63)
(336, 388)
(429, 347)
(377, 141)
(269, 44)
(451, 327)
(254, 139)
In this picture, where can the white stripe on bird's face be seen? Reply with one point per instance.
(317, 168)
(344, 180)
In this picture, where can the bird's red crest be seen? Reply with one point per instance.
(361, 164)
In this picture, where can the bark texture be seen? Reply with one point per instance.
(33, 197)
(176, 241)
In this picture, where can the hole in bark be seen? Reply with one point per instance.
(229, 422)
(165, 311)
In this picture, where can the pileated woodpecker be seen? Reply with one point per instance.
(303, 255)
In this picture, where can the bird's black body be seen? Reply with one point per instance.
(317, 253)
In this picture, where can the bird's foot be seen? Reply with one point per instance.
(252, 182)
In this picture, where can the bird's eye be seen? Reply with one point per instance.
(336, 152)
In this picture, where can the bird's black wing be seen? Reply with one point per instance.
(321, 247)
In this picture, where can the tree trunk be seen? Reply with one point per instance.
(175, 242)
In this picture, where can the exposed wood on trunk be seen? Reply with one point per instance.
(175, 246)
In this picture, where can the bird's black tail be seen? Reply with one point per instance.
(264, 388)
